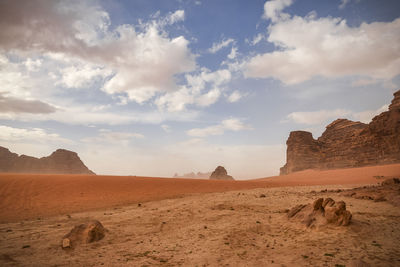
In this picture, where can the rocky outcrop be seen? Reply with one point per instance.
(321, 212)
(82, 234)
(347, 144)
(388, 190)
(220, 174)
(59, 162)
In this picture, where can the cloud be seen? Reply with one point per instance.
(343, 3)
(143, 59)
(310, 46)
(233, 53)
(16, 105)
(273, 9)
(218, 46)
(166, 128)
(367, 115)
(322, 116)
(226, 125)
(10, 135)
(235, 96)
(317, 117)
(82, 76)
(203, 89)
(112, 137)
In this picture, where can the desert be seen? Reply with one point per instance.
(200, 133)
(192, 222)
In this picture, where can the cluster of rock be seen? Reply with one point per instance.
(220, 174)
(59, 162)
(388, 190)
(82, 234)
(347, 143)
(321, 212)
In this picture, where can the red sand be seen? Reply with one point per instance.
(25, 196)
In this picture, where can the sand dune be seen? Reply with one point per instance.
(25, 196)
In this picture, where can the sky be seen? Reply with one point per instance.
(154, 88)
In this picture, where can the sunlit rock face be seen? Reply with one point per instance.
(346, 144)
(60, 161)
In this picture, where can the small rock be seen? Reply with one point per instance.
(84, 233)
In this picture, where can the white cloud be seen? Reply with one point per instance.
(343, 3)
(166, 128)
(310, 46)
(273, 9)
(82, 76)
(258, 38)
(33, 65)
(177, 16)
(143, 58)
(367, 115)
(196, 91)
(233, 53)
(113, 138)
(317, 117)
(364, 82)
(219, 129)
(235, 96)
(10, 135)
(323, 116)
(209, 98)
(218, 46)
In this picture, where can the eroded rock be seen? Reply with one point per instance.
(347, 143)
(84, 233)
(321, 212)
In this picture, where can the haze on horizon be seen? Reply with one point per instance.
(154, 88)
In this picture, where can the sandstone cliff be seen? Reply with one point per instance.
(347, 143)
(59, 162)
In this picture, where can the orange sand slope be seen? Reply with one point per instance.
(24, 196)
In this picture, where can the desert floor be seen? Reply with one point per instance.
(194, 222)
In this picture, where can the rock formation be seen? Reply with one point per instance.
(84, 233)
(220, 174)
(321, 212)
(59, 162)
(388, 190)
(346, 144)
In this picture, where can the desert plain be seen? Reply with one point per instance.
(191, 222)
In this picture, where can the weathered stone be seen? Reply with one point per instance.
(220, 174)
(347, 143)
(59, 162)
(328, 202)
(317, 205)
(84, 233)
(295, 210)
(321, 212)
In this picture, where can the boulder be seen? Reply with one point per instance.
(321, 212)
(84, 233)
(220, 173)
(347, 144)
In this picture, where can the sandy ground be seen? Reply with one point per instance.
(27, 196)
(193, 223)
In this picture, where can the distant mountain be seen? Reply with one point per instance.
(59, 162)
(220, 173)
(347, 144)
